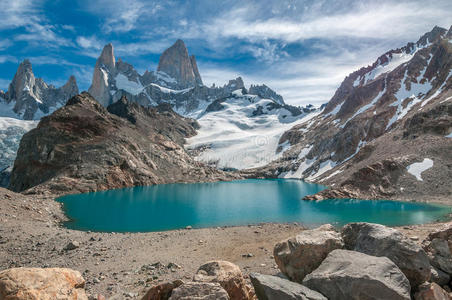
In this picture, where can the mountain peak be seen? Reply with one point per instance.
(107, 57)
(432, 36)
(176, 63)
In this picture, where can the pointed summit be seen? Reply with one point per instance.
(23, 80)
(176, 63)
(430, 37)
(107, 57)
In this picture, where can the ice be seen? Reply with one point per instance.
(132, 87)
(237, 139)
(417, 169)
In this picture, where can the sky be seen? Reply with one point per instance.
(302, 49)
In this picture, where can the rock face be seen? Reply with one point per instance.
(299, 256)
(381, 119)
(199, 291)
(228, 276)
(177, 82)
(438, 246)
(30, 98)
(345, 275)
(85, 147)
(379, 240)
(431, 291)
(41, 284)
(269, 287)
(176, 63)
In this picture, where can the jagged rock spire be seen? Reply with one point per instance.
(176, 63)
(107, 57)
(103, 71)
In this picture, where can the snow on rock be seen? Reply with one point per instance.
(449, 135)
(365, 107)
(334, 111)
(416, 92)
(235, 138)
(304, 165)
(417, 169)
(11, 132)
(324, 167)
(132, 87)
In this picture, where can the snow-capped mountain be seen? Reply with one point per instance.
(177, 81)
(30, 98)
(382, 118)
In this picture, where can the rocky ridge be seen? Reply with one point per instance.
(30, 98)
(383, 119)
(177, 81)
(85, 147)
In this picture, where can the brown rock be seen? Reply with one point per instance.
(228, 275)
(162, 291)
(41, 284)
(431, 291)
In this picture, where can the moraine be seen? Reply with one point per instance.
(175, 206)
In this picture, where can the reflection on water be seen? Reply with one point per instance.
(172, 206)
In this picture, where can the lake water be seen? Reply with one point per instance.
(174, 206)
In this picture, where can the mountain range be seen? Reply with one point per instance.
(385, 133)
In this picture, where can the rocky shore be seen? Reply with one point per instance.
(129, 265)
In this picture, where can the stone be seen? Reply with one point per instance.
(439, 254)
(72, 245)
(199, 291)
(41, 284)
(379, 240)
(269, 287)
(228, 275)
(298, 256)
(346, 274)
(439, 277)
(444, 232)
(431, 291)
(162, 291)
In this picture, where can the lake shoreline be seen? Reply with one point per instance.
(32, 235)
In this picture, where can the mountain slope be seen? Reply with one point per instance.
(85, 147)
(30, 98)
(381, 120)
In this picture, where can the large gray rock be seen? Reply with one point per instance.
(298, 256)
(439, 277)
(439, 254)
(346, 275)
(269, 287)
(199, 291)
(379, 240)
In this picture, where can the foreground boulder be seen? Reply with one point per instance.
(199, 291)
(162, 291)
(379, 240)
(346, 275)
(228, 276)
(431, 291)
(440, 255)
(439, 277)
(41, 284)
(269, 287)
(298, 256)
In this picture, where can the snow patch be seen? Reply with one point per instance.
(365, 107)
(334, 111)
(417, 169)
(132, 87)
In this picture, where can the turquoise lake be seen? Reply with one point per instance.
(175, 206)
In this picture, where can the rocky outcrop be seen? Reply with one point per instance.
(176, 63)
(41, 284)
(83, 147)
(199, 290)
(269, 287)
(228, 276)
(31, 98)
(264, 91)
(299, 256)
(379, 240)
(438, 246)
(348, 275)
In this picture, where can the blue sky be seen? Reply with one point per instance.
(302, 49)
